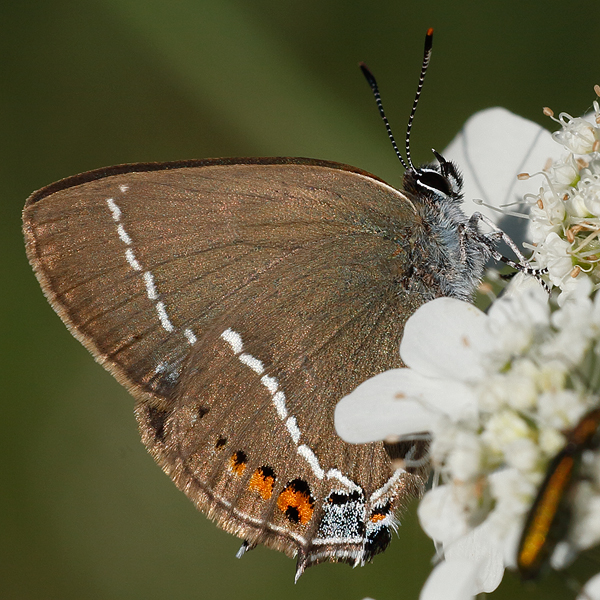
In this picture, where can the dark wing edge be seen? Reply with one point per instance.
(105, 172)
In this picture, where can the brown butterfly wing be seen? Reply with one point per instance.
(239, 301)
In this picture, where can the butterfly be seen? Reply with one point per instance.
(238, 300)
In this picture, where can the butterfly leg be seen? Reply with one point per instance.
(497, 234)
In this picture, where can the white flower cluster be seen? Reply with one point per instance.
(522, 374)
(565, 214)
(536, 385)
(501, 392)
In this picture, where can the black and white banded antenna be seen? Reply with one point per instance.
(375, 89)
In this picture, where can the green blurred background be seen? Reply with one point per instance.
(84, 511)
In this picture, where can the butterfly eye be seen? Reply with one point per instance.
(434, 181)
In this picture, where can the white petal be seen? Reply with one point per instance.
(441, 517)
(446, 338)
(522, 284)
(480, 547)
(591, 590)
(450, 580)
(465, 460)
(492, 148)
(512, 539)
(564, 554)
(400, 402)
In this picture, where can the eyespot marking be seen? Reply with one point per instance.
(376, 517)
(238, 461)
(263, 481)
(296, 502)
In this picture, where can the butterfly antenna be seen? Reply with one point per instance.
(424, 65)
(375, 89)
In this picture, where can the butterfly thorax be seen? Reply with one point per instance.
(448, 249)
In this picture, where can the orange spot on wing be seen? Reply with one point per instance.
(262, 481)
(237, 462)
(376, 517)
(296, 502)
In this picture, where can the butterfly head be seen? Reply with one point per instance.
(437, 182)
